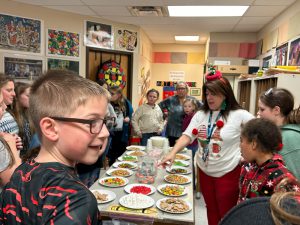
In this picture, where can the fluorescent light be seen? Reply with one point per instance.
(206, 11)
(187, 38)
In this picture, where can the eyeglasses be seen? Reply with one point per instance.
(95, 125)
(269, 91)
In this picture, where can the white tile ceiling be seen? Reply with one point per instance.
(163, 29)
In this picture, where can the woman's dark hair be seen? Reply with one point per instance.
(264, 132)
(153, 90)
(294, 116)
(278, 97)
(220, 86)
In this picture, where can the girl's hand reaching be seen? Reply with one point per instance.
(167, 160)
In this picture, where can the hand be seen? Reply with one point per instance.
(9, 138)
(167, 160)
(126, 119)
(19, 143)
(139, 134)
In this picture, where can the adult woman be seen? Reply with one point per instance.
(20, 112)
(217, 127)
(173, 109)
(147, 120)
(121, 133)
(276, 104)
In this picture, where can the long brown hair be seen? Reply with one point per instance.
(121, 100)
(6, 146)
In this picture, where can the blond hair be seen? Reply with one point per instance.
(60, 93)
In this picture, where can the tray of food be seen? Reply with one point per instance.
(119, 172)
(136, 148)
(136, 201)
(144, 189)
(177, 179)
(125, 165)
(172, 190)
(136, 153)
(174, 205)
(182, 157)
(103, 196)
(128, 158)
(113, 181)
(178, 162)
(178, 170)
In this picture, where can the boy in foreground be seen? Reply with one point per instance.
(68, 112)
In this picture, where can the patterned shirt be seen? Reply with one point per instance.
(47, 193)
(8, 124)
(262, 180)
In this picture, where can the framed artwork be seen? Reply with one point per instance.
(62, 43)
(294, 52)
(195, 91)
(63, 64)
(281, 55)
(23, 67)
(20, 34)
(98, 35)
(125, 40)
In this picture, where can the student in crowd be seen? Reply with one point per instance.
(217, 127)
(282, 208)
(68, 113)
(263, 168)
(9, 156)
(89, 174)
(276, 104)
(147, 121)
(20, 113)
(121, 133)
(173, 110)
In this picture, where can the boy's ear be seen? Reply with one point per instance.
(49, 128)
(254, 145)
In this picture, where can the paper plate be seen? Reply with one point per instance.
(103, 196)
(136, 148)
(172, 190)
(136, 201)
(128, 158)
(125, 165)
(136, 153)
(139, 188)
(178, 162)
(174, 205)
(177, 179)
(178, 170)
(118, 172)
(113, 181)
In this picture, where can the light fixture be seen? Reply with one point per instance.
(187, 38)
(206, 11)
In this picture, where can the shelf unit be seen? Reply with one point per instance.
(250, 89)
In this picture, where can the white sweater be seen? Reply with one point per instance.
(229, 156)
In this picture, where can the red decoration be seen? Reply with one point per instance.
(194, 131)
(279, 147)
(220, 124)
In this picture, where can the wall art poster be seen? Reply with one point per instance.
(20, 34)
(63, 64)
(23, 68)
(125, 39)
(294, 55)
(62, 43)
(98, 35)
(281, 55)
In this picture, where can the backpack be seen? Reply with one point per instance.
(112, 73)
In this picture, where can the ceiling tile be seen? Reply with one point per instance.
(124, 2)
(247, 28)
(255, 20)
(263, 11)
(51, 2)
(110, 11)
(83, 10)
(274, 2)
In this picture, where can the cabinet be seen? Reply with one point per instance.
(250, 89)
(233, 69)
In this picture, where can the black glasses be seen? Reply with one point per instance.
(95, 125)
(269, 91)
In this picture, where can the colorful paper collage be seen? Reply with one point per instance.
(20, 34)
(62, 43)
(126, 40)
(172, 84)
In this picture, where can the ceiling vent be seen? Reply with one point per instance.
(148, 11)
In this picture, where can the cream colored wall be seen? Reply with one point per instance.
(216, 37)
(62, 21)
